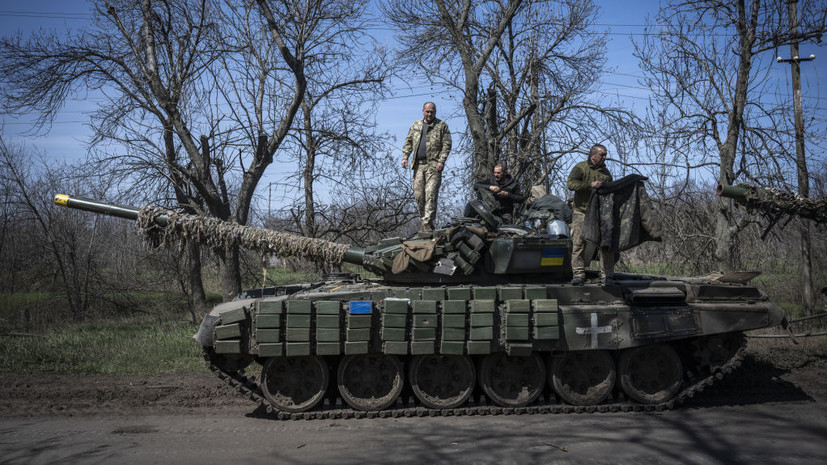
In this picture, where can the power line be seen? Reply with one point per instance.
(23, 123)
(50, 15)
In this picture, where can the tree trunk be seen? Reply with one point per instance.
(724, 237)
(807, 269)
(230, 271)
(309, 167)
(199, 297)
(726, 229)
(491, 132)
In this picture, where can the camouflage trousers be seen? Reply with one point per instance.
(578, 261)
(426, 184)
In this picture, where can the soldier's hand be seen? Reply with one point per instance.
(597, 184)
(404, 163)
(494, 188)
(502, 193)
(439, 167)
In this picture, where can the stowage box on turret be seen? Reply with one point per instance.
(475, 318)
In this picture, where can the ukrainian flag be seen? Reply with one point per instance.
(553, 256)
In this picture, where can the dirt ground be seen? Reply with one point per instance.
(774, 370)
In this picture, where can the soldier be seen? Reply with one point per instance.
(505, 190)
(585, 177)
(429, 139)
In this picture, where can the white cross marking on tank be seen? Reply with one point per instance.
(594, 330)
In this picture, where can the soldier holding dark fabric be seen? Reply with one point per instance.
(429, 140)
(585, 177)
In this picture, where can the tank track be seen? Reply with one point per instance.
(248, 388)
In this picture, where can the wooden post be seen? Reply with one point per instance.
(801, 159)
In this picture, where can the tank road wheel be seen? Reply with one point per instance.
(650, 374)
(512, 381)
(371, 381)
(294, 384)
(442, 381)
(715, 351)
(583, 377)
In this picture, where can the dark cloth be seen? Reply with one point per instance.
(549, 203)
(619, 217)
(505, 204)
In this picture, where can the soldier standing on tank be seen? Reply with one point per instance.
(429, 140)
(585, 177)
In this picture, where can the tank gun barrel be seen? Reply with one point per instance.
(775, 202)
(161, 225)
(732, 192)
(104, 208)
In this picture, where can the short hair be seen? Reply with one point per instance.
(426, 104)
(501, 165)
(597, 147)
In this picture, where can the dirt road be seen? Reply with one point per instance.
(773, 410)
(787, 432)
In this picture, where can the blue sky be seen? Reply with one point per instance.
(68, 132)
(67, 136)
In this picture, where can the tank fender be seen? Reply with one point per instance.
(228, 312)
(204, 336)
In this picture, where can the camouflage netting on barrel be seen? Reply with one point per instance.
(778, 201)
(219, 235)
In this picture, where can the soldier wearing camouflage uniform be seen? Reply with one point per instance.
(429, 155)
(584, 177)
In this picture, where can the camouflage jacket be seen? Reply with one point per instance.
(620, 217)
(580, 179)
(438, 145)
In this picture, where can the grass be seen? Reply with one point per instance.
(20, 298)
(134, 333)
(118, 347)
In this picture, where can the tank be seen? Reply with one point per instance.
(471, 319)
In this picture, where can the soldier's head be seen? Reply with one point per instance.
(429, 112)
(499, 171)
(597, 155)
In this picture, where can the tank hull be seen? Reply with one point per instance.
(508, 344)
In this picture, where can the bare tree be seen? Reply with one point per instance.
(145, 57)
(707, 65)
(525, 70)
(336, 136)
(370, 204)
(452, 43)
(226, 82)
(542, 78)
(70, 258)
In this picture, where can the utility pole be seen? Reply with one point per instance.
(801, 160)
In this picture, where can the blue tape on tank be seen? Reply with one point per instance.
(554, 252)
(361, 307)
